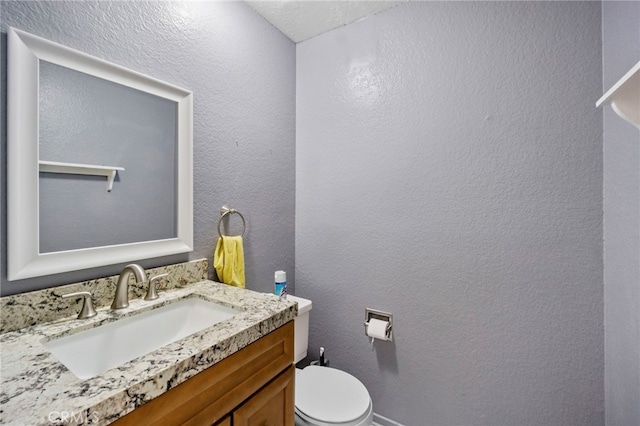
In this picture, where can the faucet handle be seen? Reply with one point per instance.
(87, 310)
(152, 294)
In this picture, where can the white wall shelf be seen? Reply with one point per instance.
(81, 169)
(624, 96)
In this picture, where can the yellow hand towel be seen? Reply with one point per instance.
(228, 259)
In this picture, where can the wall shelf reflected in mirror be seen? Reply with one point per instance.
(624, 96)
(81, 169)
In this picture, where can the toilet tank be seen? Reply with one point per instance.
(301, 326)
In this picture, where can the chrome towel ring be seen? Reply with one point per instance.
(224, 211)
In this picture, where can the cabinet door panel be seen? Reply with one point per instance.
(271, 406)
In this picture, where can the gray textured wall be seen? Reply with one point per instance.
(620, 52)
(449, 170)
(242, 73)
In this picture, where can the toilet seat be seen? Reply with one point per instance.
(365, 420)
(329, 397)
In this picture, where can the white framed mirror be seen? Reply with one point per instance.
(99, 161)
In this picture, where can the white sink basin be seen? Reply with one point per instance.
(92, 352)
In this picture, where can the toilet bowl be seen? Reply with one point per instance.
(325, 396)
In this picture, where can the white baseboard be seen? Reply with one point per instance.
(379, 420)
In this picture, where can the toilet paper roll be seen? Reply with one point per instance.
(377, 329)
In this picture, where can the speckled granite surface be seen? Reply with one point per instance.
(36, 389)
(26, 309)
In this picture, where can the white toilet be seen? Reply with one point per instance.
(326, 396)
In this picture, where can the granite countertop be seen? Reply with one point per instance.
(36, 389)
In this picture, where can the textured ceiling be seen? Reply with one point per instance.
(303, 19)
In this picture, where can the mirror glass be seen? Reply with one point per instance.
(99, 161)
(88, 120)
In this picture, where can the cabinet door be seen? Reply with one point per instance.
(273, 405)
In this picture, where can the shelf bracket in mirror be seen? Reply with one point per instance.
(81, 169)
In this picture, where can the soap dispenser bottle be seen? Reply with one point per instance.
(280, 285)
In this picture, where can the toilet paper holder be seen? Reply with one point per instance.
(382, 316)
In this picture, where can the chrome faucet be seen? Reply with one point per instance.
(121, 299)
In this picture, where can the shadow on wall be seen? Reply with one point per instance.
(386, 355)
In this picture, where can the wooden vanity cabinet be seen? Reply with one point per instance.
(253, 387)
